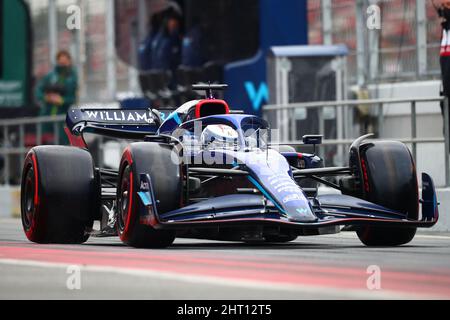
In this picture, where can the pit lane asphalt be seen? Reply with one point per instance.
(318, 267)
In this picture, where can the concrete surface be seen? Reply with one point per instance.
(321, 267)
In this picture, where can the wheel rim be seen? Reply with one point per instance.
(28, 205)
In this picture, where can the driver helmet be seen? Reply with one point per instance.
(219, 136)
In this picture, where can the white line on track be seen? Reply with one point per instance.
(350, 234)
(432, 236)
(249, 284)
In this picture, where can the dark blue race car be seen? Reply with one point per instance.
(205, 171)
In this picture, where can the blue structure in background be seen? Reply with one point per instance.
(281, 23)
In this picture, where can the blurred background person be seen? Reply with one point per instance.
(145, 49)
(166, 47)
(55, 93)
(192, 47)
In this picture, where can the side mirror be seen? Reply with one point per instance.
(312, 139)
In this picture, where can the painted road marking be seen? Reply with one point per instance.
(237, 269)
(210, 280)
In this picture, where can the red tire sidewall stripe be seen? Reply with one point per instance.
(31, 232)
(36, 181)
(127, 228)
(127, 158)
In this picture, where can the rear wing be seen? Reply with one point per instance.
(120, 123)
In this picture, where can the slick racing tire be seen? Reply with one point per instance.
(154, 159)
(391, 181)
(59, 194)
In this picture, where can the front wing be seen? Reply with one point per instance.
(246, 210)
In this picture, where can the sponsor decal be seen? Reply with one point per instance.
(144, 186)
(163, 116)
(288, 189)
(302, 210)
(119, 116)
(257, 96)
(291, 197)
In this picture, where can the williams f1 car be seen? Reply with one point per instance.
(206, 171)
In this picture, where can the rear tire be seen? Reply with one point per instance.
(59, 195)
(154, 159)
(391, 182)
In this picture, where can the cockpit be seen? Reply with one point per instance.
(237, 132)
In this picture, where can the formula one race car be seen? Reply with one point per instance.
(205, 171)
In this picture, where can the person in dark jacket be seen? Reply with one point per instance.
(192, 47)
(166, 46)
(56, 92)
(145, 49)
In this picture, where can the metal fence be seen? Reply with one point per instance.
(406, 46)
(18, 136)
(288, 125)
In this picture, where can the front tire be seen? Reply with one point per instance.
(59, 194)
(153, 159)
(390, 181)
